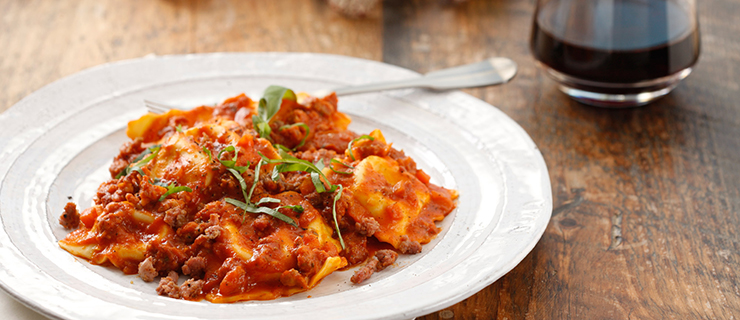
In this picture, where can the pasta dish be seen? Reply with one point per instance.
(255, 200)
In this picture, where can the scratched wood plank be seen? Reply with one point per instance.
(43, 41)
(645, 223)
(293, 26)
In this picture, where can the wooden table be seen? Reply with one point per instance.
(646, 222)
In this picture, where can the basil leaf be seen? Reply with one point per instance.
(261, 126)
(305, 128)
(256, 179)
(349, 146)
(296, 208)
(140, 161)
(248, 207)
(208, 152)
(267, 200)
(159, 182)
(174, 189)
(282, 147)
(275, 174)
(228, 163)
(342, 163)
(340, 172)
(334, 214)
(178, 128)
(291, 163)
(268, 106)
(231, 164)
(273, 97)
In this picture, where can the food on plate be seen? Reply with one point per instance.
(255, 200)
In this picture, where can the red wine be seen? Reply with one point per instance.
(618, 41)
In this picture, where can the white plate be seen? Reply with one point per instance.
(58, 143)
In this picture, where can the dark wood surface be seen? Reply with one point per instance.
(646, 222)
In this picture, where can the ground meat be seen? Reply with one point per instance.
(191, 289)
(365, 271)
(409, 246)
(114, 221)
(192, 230)
(293, 278)
(165, 257)
(70, 219)
(116, 190)
(385, 258)
(365, 148)
(194, 266)
(150, 193)
(168, 286)
(128, 152)
(174, 212)
(367, 226)
(147, 271)
(310, 260)
(213, 232)
(355, 253)
(231, 106)
(263, 224)
(381, 260)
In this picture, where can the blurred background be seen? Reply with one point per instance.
(646, 200)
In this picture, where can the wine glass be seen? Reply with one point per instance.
(616, 53)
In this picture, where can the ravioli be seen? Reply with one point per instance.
(234, 198)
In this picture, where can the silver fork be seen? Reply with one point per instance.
(489, 72)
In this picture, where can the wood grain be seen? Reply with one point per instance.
(647, 200)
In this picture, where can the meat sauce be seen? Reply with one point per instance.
(169, 210)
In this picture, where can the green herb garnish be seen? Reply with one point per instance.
(290, 163)
(334, 214)
(235, 170)
(252, 208)
(268, 106)
(208, 152)
(231, 164)
(247, 204)
(178, 128)
(305, 128)
(172, 188)
(140, 161)
(349, 146)
(342, 163)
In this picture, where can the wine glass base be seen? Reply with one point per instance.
(610, 100)
(616, 95)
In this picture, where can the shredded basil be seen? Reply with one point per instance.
(140, 161)
(289, 163)
(231, 164)
(248, 207)
(334, 214)
(268, 106)
(172, 188)
(342, 163)
(256, 179)
(296, 208)
(208, 152)
(349, 146)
